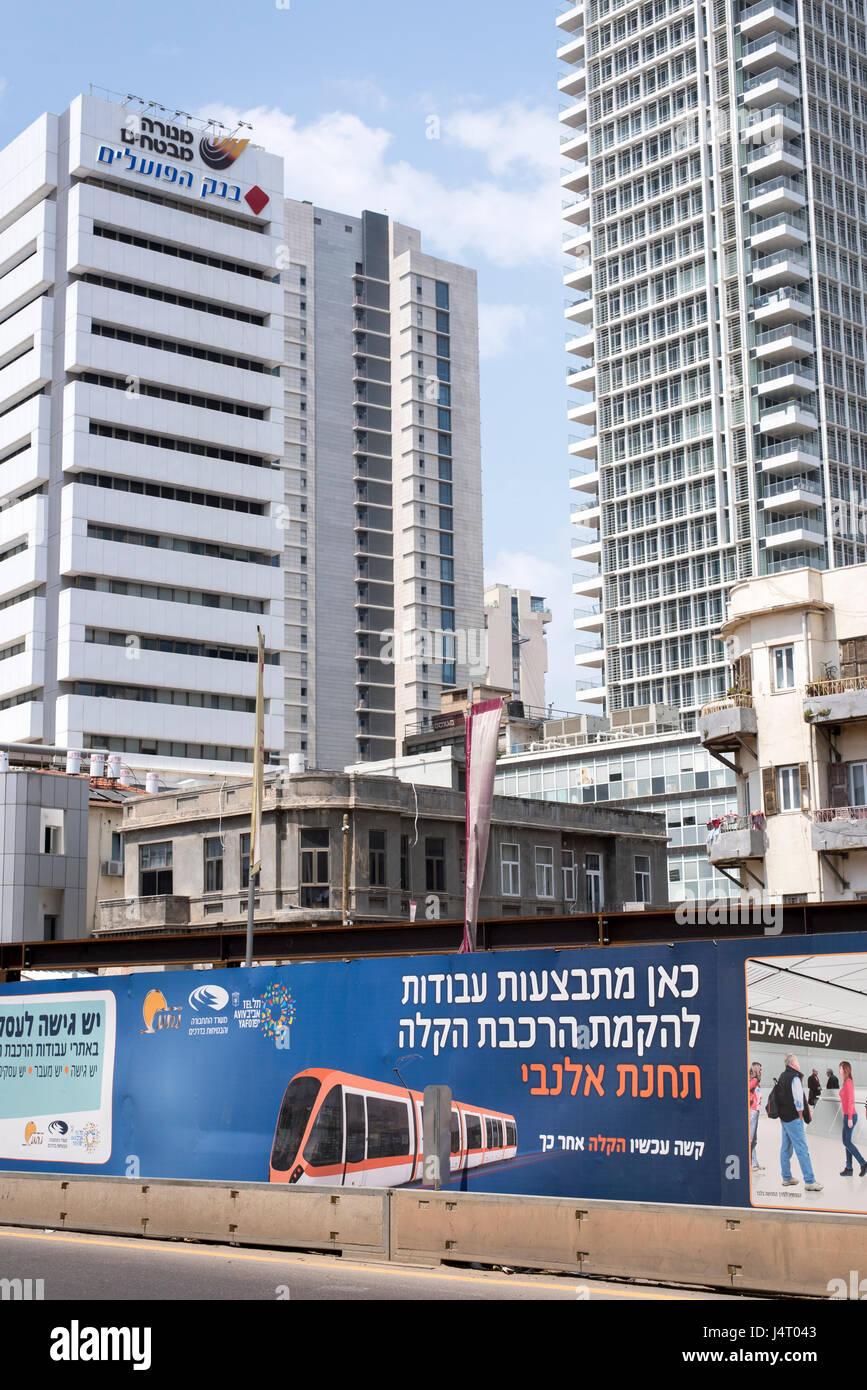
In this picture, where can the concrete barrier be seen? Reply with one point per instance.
(725, 1248)
(790, 1253)
(346, 1220)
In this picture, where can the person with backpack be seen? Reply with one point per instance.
(850, 1120)
(786, 1103)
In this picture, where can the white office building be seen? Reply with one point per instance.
(221, 410)
(714, 196)
(383, 507)
(141, 435)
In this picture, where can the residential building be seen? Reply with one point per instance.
(517, 655)
(141, 435)
(187, 853)
(382, 507)
(794, 730)
(640, 759)
(716, 224)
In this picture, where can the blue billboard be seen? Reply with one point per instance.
(619, 1073)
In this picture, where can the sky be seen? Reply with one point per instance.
(443, 116)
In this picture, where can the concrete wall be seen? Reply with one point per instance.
(34, 885)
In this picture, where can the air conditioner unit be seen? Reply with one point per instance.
(112, 868)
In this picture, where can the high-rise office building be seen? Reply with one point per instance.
(141, 437)
(716, 210)
(155, 506)
(383, 484)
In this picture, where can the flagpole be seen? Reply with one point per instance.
(255, 864)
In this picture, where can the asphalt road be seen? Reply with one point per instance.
(77, 1267)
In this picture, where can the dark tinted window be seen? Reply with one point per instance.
(294, 1114)
(474, 1131)
(387, 1128)
(489, 1134)
(325, 1145)
(354, 1128)
(511, 1135)
(456, 1133)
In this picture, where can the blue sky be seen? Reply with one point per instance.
(345, 91)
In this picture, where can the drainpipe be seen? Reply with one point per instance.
(812, 759)
(345, 869)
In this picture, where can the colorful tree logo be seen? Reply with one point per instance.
(278, 1010)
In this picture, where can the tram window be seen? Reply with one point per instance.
(489, 1134)
(387, 1128)
(456, 1133)
(354, 1128)
(325, 1145)
(294, 1114)
(511, 1135)
(474, 1131)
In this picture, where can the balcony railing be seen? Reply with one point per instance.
(732, 821)
(730, 702)
(792, 523)
(764, 5)
(830, 813)
(786, 330)
(781, 181)
(788, 369)
(788, 446)
(780, 219)
(797, 480)
(783, 296)
(814, 689)
(775, 147)
(756, 46)
(770, 74)
(766, 262)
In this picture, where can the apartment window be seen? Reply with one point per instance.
(442, 294)
(155, 869)
(570, 894)
(435, 864)
(404, 863)
(50, 831)
(788, 788)
(544, 872)
(376, 858)
(245, 860)
(510, 871)
(784, 668)
(213, 864)
(642, 878)
(857, 784)
(315, 875)
(593, 877)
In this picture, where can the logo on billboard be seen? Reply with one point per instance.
(209, 999)
(157, 1014)
(221, 154)
(32, 1135)
(58, 1127)
(86, 1138)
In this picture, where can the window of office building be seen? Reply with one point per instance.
(435, 864)
(213, 864)
(155, 869)
(544, 872)
(376, 858)
(315, 876)
(510, 870)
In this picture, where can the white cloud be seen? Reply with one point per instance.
(498, 326)
(340, 162)
(509, 136)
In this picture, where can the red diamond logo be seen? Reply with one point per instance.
(256, 198)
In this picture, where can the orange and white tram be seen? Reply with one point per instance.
(336, 1129)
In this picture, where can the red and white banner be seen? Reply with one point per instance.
(483, 733)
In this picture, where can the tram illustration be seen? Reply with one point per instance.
(335, 1129)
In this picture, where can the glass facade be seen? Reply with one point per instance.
(683, 782)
